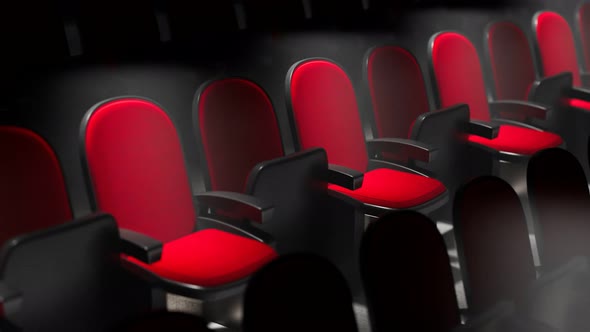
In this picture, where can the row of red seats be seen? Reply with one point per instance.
(136, 170)
(407, 275)
(69, 277)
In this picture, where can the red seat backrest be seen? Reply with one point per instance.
(511, 61)
(238, 129)
(555, 42)
(583, 20)
(458, 74)
(325, 112)
(33, 193)
(397, 90)
(136, 167)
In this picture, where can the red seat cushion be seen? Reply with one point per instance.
(579, 104)
(394, 189)
(210, 258)
(519, 140)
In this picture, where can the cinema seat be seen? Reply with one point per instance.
(493, 243)
(238, 132)
(298, 292)
(241, 150)
(560, 198)
(416, 292)
(556, 47)
(68, 278)
(323, 112)
(83, 287)
(496, 259)
(422, 296)
(400, 109)
(513, 69)
(458, 78)
(136, 171)
(33, 193)
(556, 53)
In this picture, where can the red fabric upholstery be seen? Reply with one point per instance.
(519, 140)
(137, 169)
(210, 258)
(33, 195)
(397, 90)
(458, 74)
(556, 45)
(238, 130)
(584, 28)
(394, 189)
(326, 113)
(511, 60)
(579, 103)
(459, 78)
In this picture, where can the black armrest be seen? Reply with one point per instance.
(140, 246)
(245, 206)
(549, 90)
(405, 148)
(10, 300)
(517, 107)
(578, 93)
(345, 177)
(482, 129)
(240, 227)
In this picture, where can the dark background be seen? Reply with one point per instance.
(61, 57)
